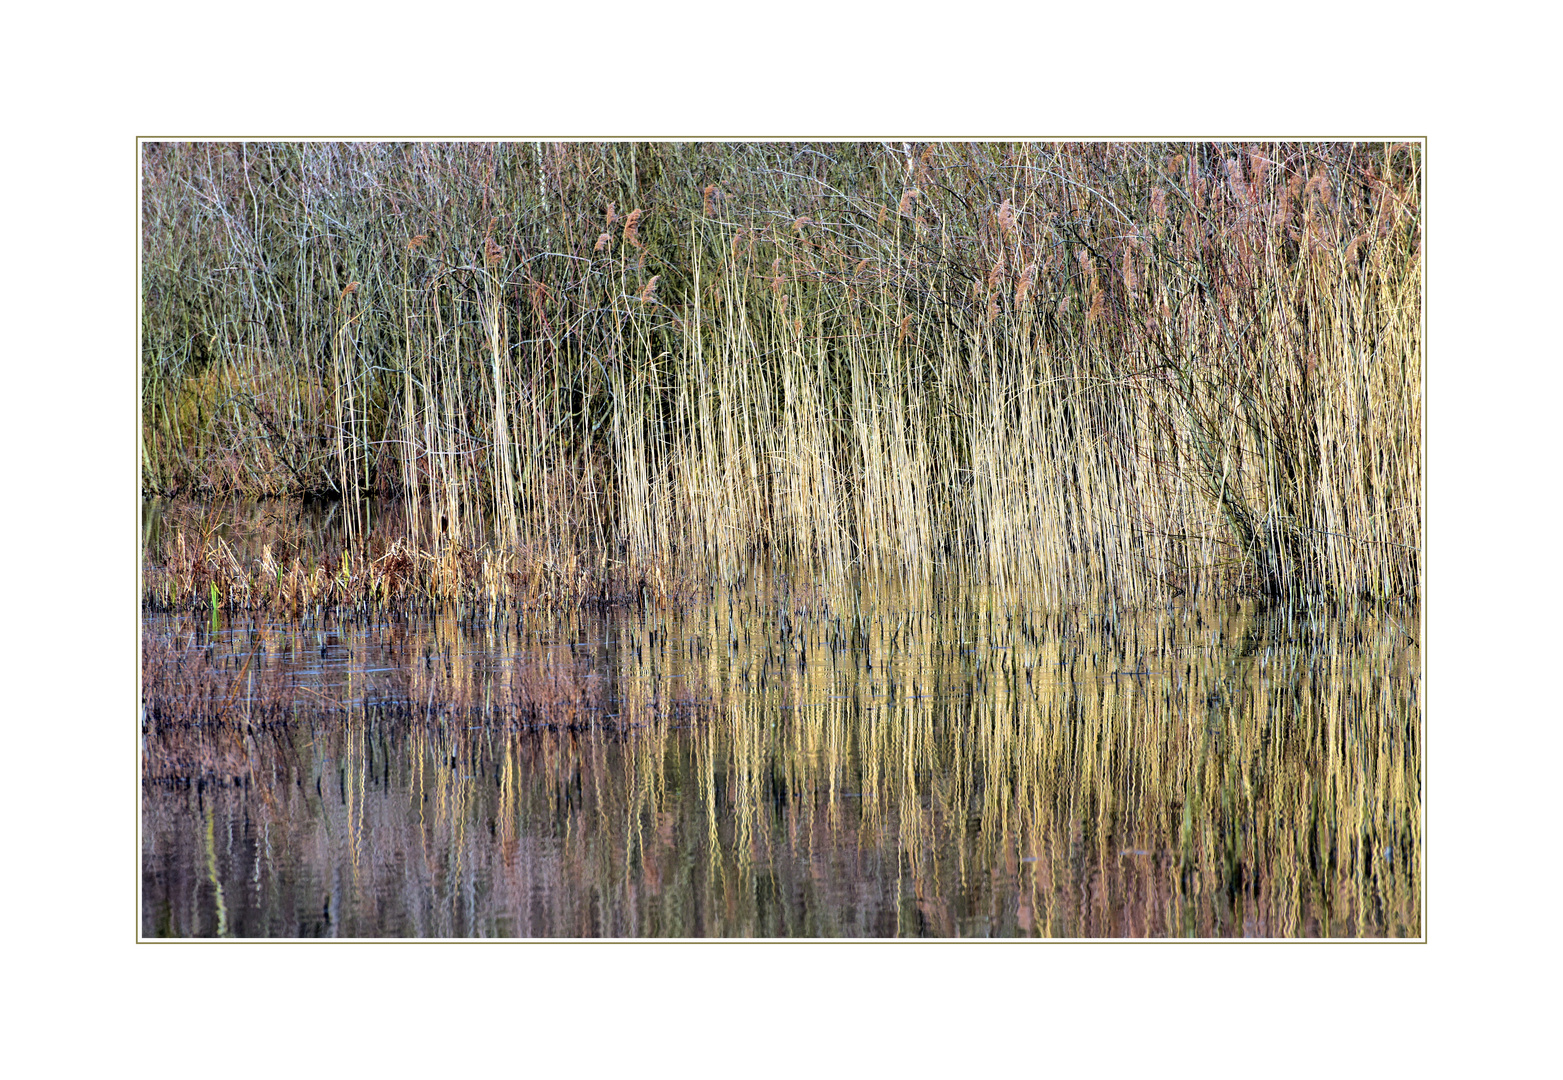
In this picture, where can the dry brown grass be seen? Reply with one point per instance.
(287, 569)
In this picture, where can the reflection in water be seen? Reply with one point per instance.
(785, 763)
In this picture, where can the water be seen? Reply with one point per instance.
(780, 761)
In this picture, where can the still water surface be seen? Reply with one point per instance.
(784, 762)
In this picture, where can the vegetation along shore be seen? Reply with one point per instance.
(606, 371)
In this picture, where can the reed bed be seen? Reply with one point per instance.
(1086, 371)
(251, 558)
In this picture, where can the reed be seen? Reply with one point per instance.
(239, 562)
(1087, 371)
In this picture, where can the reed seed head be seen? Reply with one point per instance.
(1028, 277)
(1235, 179)
(997, 273)
(1353, 248)
(1007, 220)
(1258, 166)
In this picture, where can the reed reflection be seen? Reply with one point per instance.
(785, 762)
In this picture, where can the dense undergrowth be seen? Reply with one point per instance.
(1077, 370)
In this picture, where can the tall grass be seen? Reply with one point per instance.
(1078, 370)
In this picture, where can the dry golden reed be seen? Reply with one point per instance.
(1164, 383)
